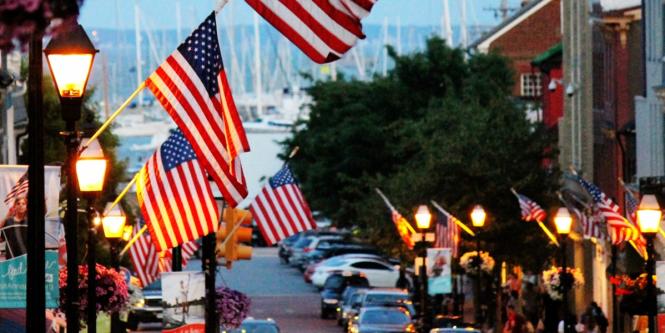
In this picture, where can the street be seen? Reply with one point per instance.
(277, 291)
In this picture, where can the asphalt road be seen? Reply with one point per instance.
(277, 291)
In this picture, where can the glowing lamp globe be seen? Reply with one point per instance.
(113, 221)
(649, 214)
(91, 168)
(70, 55)
(563, 221)
(478, 216)
(423, 217)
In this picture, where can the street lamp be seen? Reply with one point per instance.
(70, 56)
(563, 222)
(113, 222)
(648, 219)
(423, 221)
(478, 216)
(90, 172)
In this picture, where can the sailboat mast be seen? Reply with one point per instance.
(178, 21)
(384, 70)
(257, 65)
(447, 30)
(137, 37)
(464, 37)
(399, 35)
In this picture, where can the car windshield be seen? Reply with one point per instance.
(301, 243)
(386, 298)
(254, 328)
(355, 298)
(389, 317)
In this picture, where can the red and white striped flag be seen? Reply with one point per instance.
(192, 86)
(175, 196)
(446, 232)
(20, 189)
(323, 29)
(618, 227)
(531, 211)
(280, 210)
(145, 258)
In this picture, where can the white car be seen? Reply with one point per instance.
(379, 273)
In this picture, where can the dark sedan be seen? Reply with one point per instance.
(382, 320)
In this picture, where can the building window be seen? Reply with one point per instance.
(531, 85)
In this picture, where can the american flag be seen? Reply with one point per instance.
(618, 227)
(280, 210)
(18, 190)
(592, 224)
(149, 263)
(192, 86)
(447, 233)
(175, 196)
(403, 229)
(531, 211)
(323, 29)
(631, 204)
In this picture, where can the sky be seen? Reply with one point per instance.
(161, 14)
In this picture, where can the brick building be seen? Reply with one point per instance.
(529, 32)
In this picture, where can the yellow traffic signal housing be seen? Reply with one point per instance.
(231, 233)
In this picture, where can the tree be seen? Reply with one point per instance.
(437, 127)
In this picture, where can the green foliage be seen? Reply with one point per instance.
(438, 127)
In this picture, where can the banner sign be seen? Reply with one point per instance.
(183, 300)
(13, 247)
(439, 277)
(660, 284)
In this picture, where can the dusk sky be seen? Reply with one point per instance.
(160, 14)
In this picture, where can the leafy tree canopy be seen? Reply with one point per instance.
(440, 126)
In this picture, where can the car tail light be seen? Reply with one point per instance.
(410, 328)
(307, 249)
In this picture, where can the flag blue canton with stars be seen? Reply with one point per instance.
(176, 150)
(592, 189)
(201, 50)
(283, 177)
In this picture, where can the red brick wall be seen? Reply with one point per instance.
(529, 38)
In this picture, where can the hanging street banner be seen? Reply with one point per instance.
(13, 244)
(183, 300)
(439, 274)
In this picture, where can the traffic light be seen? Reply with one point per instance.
(231, 233)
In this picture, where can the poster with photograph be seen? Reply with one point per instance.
(439, 274)
(183, 299)
(13, 246)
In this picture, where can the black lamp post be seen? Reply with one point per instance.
(114, 229)
(648, 219)
(70, 56)
(423, 221)
(563, 222)
(478, 217)
(90, 172)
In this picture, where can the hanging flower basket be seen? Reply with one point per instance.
(468, 262)
(556, 281)
(232, 307)
(112, 293)
(633, 293)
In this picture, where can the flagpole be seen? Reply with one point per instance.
(385, 199)
(623, 184)
(220, 5)
(124, 191)
(548, 233)
(133, 240)
(458, 222)
(115, 114)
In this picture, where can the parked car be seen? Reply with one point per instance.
(251, 325)
(147, 307)
(352, 296)
(331, 294)
(387, 297)
(298, 254)
(454, 330)
(285, 247)
(382, 319)
(379, 272)
(336, 249)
